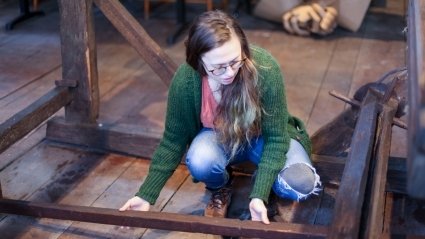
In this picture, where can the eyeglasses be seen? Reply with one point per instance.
(221, 70)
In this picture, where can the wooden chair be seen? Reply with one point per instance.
(209, 3)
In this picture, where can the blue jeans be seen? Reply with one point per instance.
(207, 161)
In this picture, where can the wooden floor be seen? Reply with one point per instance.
(38, 170)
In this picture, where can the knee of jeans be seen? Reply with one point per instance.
(297, 182)
(203, 163)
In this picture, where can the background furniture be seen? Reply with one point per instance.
(209, 3)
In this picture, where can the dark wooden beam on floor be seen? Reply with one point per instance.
(126, 139)
(29, 118)
(163, 220)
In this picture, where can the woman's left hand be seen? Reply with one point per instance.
(258, 211)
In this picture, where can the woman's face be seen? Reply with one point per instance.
(221, 63)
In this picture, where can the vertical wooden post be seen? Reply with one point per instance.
(79, 59)
(416, 69)
(374, 223)
(350, 197)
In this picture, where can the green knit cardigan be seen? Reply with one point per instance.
(183, 123)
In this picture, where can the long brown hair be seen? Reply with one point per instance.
(239, 111)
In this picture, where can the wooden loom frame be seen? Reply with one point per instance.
(78, 92)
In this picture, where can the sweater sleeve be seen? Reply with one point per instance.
(169, 152)
(273, 124)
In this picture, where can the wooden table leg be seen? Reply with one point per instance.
(181, 21)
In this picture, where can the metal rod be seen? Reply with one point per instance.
(355, 103)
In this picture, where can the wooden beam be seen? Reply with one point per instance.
(374, 223)
(127, 139)
(416, 76)
(79, 59)
(163, 220)
(29, 118)
(350, 196)
(330, 169)
(136, 35)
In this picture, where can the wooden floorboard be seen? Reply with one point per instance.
(339, 75)
(35, 169)
(124, 185)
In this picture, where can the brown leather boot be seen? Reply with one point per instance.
(219, 202)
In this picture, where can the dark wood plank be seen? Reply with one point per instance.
(53, 165)
(190, 199)
(376, 203)
(334, 138)
(349, 201)
(89, 180)
(304, 212)
(326, 212)
(151, 52)
(115, 195)
(126, 139)
(70, 180)
(404, 217)
(23, 122)
(162, 220)
(57, 169)
(242, 186)
(386, 231)
(79, 61)
(331, 169)
(397, 175)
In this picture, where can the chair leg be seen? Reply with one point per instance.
(146, 8)
(35, 5)
(209, 5)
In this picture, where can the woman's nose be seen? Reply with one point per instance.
(229, 71)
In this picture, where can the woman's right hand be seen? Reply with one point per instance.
(137, 204)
